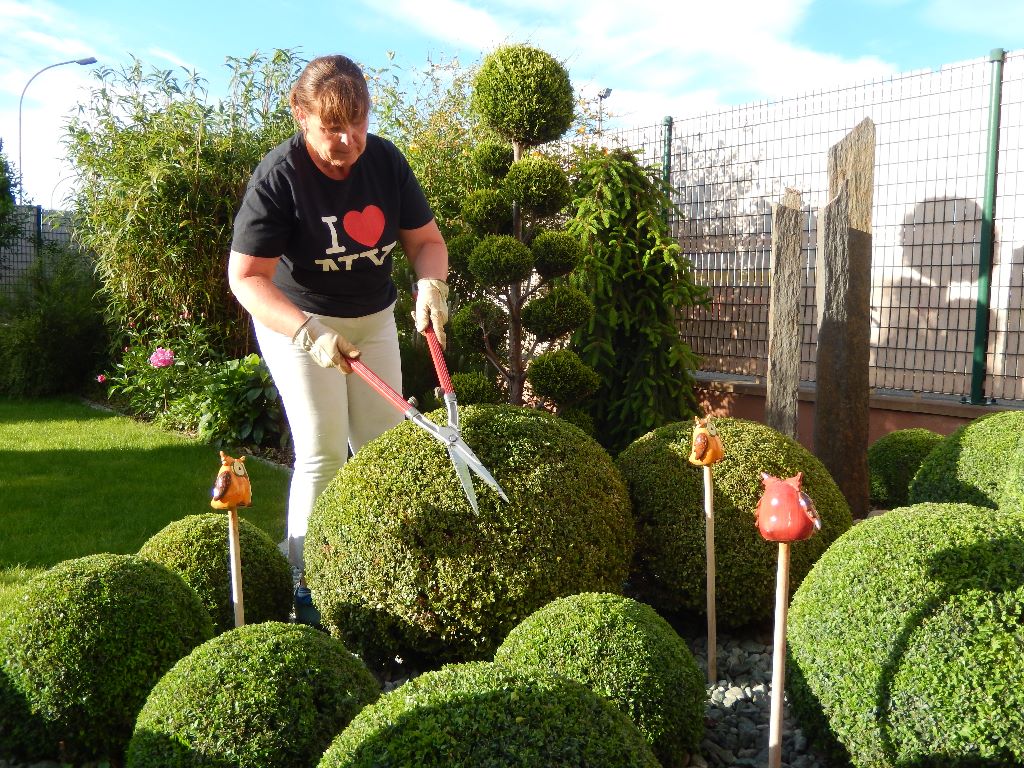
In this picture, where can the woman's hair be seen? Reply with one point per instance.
(334, 88)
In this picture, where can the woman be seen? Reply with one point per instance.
(311, 262)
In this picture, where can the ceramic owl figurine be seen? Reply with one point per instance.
(706, 448)
(231, 489)
(785, 513)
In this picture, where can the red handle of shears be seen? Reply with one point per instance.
(439, 365)
(382, 387)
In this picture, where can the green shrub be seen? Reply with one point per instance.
(399, 562)
(893, 459)
(981, 463)
(538, 184)
(524, 94)
(196, 548)
(624, 651)
(478, 714)
(241, 407)
(577, 417)
(478, 321)
(906, 640)
(81, 648)
(493, 158)
(262, 695)
(500, 260)
(164, 361)
(634, 271)
(561, 310)
(474, 387)
(51, 330)
(668, 501)
(561, 376)
(556, 253)
(459, 248)
(487, 212)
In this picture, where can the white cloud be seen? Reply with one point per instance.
(160, 53)
(447, 20)
(659, 58)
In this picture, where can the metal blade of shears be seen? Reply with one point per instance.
(462, 456)
(462, 470)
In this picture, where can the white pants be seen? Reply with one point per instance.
(330, 413)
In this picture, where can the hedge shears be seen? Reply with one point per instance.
(461, 454)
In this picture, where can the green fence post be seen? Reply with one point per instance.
(666, 159)
(987, 245)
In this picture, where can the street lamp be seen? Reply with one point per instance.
(21, 173)
(603, 94)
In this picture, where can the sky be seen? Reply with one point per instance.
(658, 57)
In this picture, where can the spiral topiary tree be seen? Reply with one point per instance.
(513, 259)
(82, 647)
(906, 640)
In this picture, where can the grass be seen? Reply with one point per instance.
(75, 481)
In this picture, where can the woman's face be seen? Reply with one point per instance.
(334, 148)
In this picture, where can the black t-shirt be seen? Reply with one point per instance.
(334, 238)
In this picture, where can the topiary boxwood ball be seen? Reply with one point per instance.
(81, 648)
(624, 651)
(399, 562)
(269, 694)
(473, 387)
(982, 463)
(561, 375)
(459, 248)
(668, 501)
(493, 158)
(487, 211)
(561, 310)
(524, 94)
(538, 184)
(893, 459)
(196, 547)
(478, 714)
(556, 253)
(906, 640)
(500, 260)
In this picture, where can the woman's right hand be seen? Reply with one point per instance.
(326, 346)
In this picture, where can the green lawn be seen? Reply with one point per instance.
(75, 480)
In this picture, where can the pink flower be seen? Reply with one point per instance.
(161, 358)
(101, 379)
(186, 315)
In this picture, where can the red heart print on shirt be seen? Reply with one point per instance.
(364, 226)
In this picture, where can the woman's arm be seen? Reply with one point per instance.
(250, 278)
(426, 251)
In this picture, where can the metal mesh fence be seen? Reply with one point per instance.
(728, 168)
(38, 226)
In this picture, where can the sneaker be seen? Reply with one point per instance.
(305, 611)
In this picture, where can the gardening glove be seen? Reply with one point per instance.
(326, 346)
(431, 306)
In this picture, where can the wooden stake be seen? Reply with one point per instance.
(234, 550)
(779, 657)
(709, 541)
